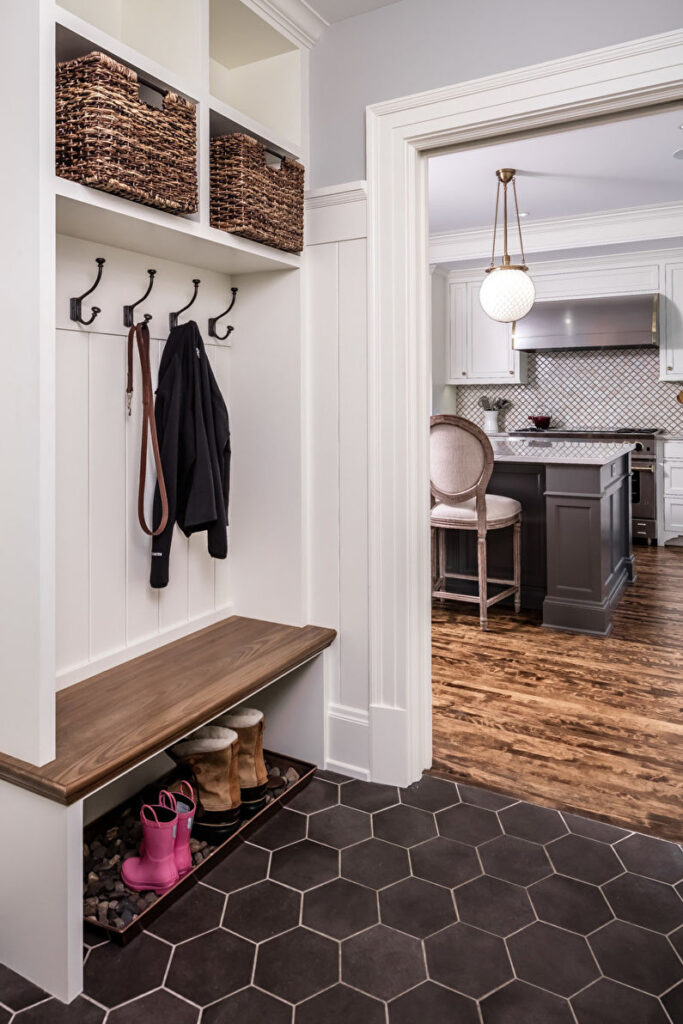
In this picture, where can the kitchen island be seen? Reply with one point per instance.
(576, 529)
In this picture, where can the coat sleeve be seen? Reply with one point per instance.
(167, 412)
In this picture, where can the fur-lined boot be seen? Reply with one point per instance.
(211, 755)
(249, 725)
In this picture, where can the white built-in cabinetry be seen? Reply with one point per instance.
(480, 351)
(672, 481)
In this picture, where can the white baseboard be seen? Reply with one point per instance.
(348, 747)
(348, 769)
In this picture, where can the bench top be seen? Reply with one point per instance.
(115, 720)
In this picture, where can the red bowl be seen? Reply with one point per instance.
(540, 422)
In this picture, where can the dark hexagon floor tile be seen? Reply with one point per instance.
(676, 941)
(467, 959)
(404, 826)
(592, 829)
(262, 911)
(636, 957)
(315, 796)
(537, 824)
(93, 936)
(250, 1006)
(369, 796)
(159, 1007)
(16, 992)
(553, 959)
(468, 824)
(282, 829)
(297, 965)
(80, 1011)
(243, 865)
(416, 907)
(519, 1003)
(645, 902)
(340, 1005)
(375, 863)
(210, 967)
(198, 910)
(431, 794)
(515, 860)
(433, 1004)
(571, 904)
(585, 859)
(329, 776)
(304, 865)
(655, 858)
(340, 908)
(673, 1001)
(607, 1002)
(485, 798)
(115, 974)
(445, 862)
(339, 827)
(493, 905)
(382, 962)
(6, 1016)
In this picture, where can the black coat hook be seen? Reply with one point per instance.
(75, 308)
(213, 320)
(173, 317)
(129, 311)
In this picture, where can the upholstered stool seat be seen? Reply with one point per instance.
(461, 466)
(498, 508)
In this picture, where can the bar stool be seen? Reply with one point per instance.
(461, 459)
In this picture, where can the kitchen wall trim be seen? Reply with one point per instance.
(401, 134)
(627, 226)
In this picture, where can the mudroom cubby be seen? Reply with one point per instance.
(100, 672)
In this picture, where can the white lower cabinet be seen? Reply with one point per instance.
(672, 478)
(480, 349)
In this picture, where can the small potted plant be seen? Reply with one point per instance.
(491, 409)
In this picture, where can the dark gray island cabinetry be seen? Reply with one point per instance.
(576, 529)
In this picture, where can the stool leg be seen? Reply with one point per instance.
(434, 544)
(483, 590)
(442, 560)
(517, 560)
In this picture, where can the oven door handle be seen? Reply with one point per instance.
(643, 469)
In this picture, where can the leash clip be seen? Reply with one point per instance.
(129, 401)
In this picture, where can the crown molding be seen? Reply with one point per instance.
(337, 195)
(614, 227)
(293, 18)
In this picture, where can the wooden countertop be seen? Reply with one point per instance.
(109, 723)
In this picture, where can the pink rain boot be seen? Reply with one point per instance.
(182, 801)
(155, 868)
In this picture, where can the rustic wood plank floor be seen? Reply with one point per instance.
(585, 724)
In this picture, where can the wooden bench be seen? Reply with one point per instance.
(108, 725)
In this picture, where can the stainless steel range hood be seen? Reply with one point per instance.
(618, 321)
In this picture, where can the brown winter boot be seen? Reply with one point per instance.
(211, 755)
(249, 725)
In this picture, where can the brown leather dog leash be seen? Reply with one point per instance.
(141, 333)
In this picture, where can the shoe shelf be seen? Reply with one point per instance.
(114, 721)
(109, 839)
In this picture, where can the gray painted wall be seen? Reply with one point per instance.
(416, 45)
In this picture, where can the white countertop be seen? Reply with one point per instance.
(577, 453)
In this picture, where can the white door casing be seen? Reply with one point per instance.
(400, 135)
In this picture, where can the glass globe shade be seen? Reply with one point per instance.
(507, 294)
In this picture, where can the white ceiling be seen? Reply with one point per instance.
(586, 170)
(339, 10)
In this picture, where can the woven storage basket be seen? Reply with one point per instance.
(110, 139)
(250, 198)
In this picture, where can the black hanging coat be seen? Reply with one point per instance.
(194, 438)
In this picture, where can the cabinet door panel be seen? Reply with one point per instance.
(490, 354)
(671, 323)
(673, 479)
(673, 514)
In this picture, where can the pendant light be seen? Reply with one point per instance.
(508, 292)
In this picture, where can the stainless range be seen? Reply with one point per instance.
(643, 470)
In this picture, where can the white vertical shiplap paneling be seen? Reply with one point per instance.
(107, 474)
(72, 568)
(105, 606)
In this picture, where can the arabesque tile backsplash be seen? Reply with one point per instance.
(602, 389)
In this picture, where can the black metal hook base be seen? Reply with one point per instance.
(213, 320)
(75, 304)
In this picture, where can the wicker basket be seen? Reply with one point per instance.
(108, 138)
(250, 198)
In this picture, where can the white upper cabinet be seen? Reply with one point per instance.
(671, 324)
(480, 348)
